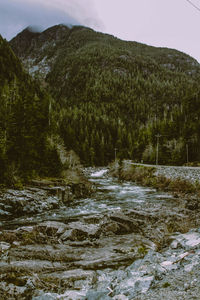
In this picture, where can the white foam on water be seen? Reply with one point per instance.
(128, 192)
(138, 201)
(163, 196)
(111, 187)
(113, 208)
(103, 205)
(99, 173)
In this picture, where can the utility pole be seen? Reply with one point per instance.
(157, 147)
(115, 154)
(187, 152)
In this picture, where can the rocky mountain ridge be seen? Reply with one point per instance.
(39, 50)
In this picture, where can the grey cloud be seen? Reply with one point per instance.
(18, 14)
(85, 12)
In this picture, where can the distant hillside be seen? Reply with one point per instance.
(24, 123)
(116, 94)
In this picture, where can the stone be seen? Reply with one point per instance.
(128, 223)
(120, 297)
(53, 227)
(4, 246)
(72, 295)
(169, 265)
(135, 284)
(175, 244)
(188, 268)
(46, 296)
(111, 227)
(98, 295)
(74, 235)
(188, 240)
(91, 230)
(78, 231)
(34, 265)
(4, 213)
(79, 278)
(143, 284)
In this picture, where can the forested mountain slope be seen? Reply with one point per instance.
(24, 123)
(112, 94)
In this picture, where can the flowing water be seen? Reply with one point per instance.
(111, 195)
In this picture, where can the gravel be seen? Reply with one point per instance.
(191, 174)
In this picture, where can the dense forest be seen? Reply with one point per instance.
(113, 94)
(25, 150)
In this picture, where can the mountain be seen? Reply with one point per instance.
(113, 94)
(24, 123)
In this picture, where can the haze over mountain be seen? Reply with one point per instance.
(112, 94)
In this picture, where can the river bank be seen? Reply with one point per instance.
(178, 180)
(44, 194)
(123, 242)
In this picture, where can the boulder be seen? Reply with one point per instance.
(98, 295)
(77, 278)
(52, 227)
(78, 231)
(120, 297)
(126, 223)
(74, 235)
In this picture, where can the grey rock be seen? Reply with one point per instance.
(77, 278)
(46, 296)
(188, 240)
(72, 295)
(120, 297)
(135, 284)
(98, 295)
(126, 223)
(4, 246)
(74, 235)
(91, 230)
(52, 226)
(4, 213)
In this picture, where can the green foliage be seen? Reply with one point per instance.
(24, 123)
(140, 174)
(142, 250)
(116, 94)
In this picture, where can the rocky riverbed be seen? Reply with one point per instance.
(123, 242)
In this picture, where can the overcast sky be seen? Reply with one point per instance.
(163, 23)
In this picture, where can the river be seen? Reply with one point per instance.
(111, 195)
(88, 248)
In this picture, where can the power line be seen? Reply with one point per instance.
(195, 6)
